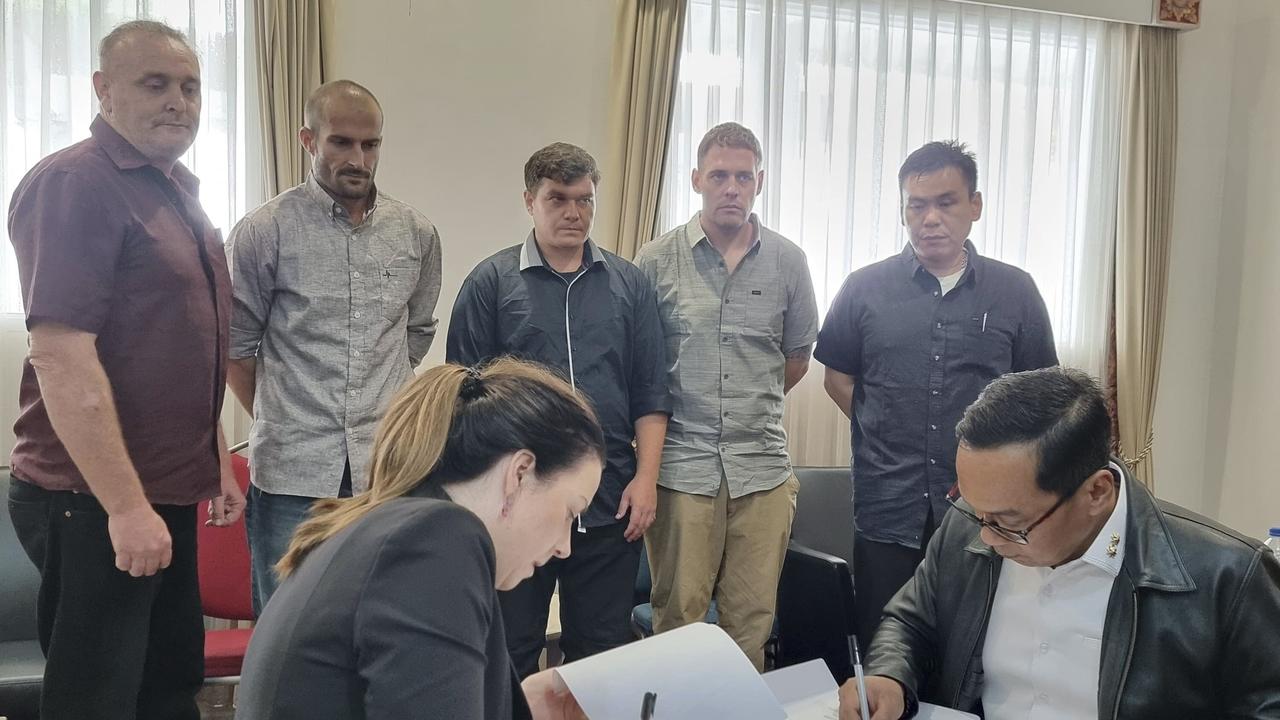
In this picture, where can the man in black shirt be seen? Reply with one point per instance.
(908, 344)
(560, 300)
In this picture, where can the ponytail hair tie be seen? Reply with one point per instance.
(472, 386)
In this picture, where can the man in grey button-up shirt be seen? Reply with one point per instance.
(335, 287)
(740, 317)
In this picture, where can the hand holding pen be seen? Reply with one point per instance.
(869, 698)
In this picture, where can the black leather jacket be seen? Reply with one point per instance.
(1192, 627)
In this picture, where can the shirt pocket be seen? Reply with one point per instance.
(988, 342)
(764, 311)
(399, 278)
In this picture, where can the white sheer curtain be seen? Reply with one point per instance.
(840, 91)
(49, 50)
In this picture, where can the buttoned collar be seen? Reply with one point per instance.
(127, 157)
(530, 256)
(694, 233)
(335, 210)
(913, 267)
(1106, 552)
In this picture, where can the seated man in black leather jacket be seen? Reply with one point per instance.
(1114, 604)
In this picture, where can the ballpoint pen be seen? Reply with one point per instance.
(647, 706)
(855, 658)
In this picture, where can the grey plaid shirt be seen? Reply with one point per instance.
(337, 317)
(727, 340)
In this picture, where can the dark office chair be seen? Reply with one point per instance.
(815, 610)
(21, 661)
(824, 511)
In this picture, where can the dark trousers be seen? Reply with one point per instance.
(880, 569)
(597, 592)
(116, 647)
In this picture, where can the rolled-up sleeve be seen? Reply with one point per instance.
(649, 393)
(422, 320)
(473, 322)
(251, 251)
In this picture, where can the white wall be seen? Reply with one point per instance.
(1216, 414)
(1243, 427)
(470, 91)
(1205, 58)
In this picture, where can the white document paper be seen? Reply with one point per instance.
(808, 692)
(937, 712)
(697, 671)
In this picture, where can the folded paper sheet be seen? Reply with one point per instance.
(697, 672)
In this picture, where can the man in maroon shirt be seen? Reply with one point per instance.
(127, 300)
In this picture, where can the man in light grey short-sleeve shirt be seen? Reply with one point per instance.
(740, 318)
(335, 287)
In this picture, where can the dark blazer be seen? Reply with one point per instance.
(1189, 632)
(394, 617)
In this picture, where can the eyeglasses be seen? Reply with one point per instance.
(1014, 536)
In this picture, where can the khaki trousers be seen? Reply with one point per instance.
(731, 550)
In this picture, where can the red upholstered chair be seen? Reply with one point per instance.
(223, 560)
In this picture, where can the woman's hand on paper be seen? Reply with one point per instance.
(549, 698)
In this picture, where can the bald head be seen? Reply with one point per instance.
(120, 40)
(343, 134)
(338, 97)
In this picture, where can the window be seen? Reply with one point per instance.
(48, 52)
(840, 91)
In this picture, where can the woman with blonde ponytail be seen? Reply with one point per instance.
(388, 606)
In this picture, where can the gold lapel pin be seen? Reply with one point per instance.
(1114, 546)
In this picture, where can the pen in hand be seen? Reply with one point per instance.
(856, 659)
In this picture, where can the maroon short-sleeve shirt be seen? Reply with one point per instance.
(108, 244)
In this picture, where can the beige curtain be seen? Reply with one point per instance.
(1143, 225)
(646, 57)
(289, 68)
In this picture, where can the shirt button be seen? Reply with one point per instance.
(67, 513)
(936, 358)
(933, 427)
(356, 353)
(933, 392)
(724, 338)
(932, 461)
(926, 496)
(726, 376)
(356, 314)
(1044, 648)
(939, 325)
(726, 301)
(935, 293)
(355, 274)
(1044, 697)
(726, 413)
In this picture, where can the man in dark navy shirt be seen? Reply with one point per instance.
(560, 300)
(908, 344)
